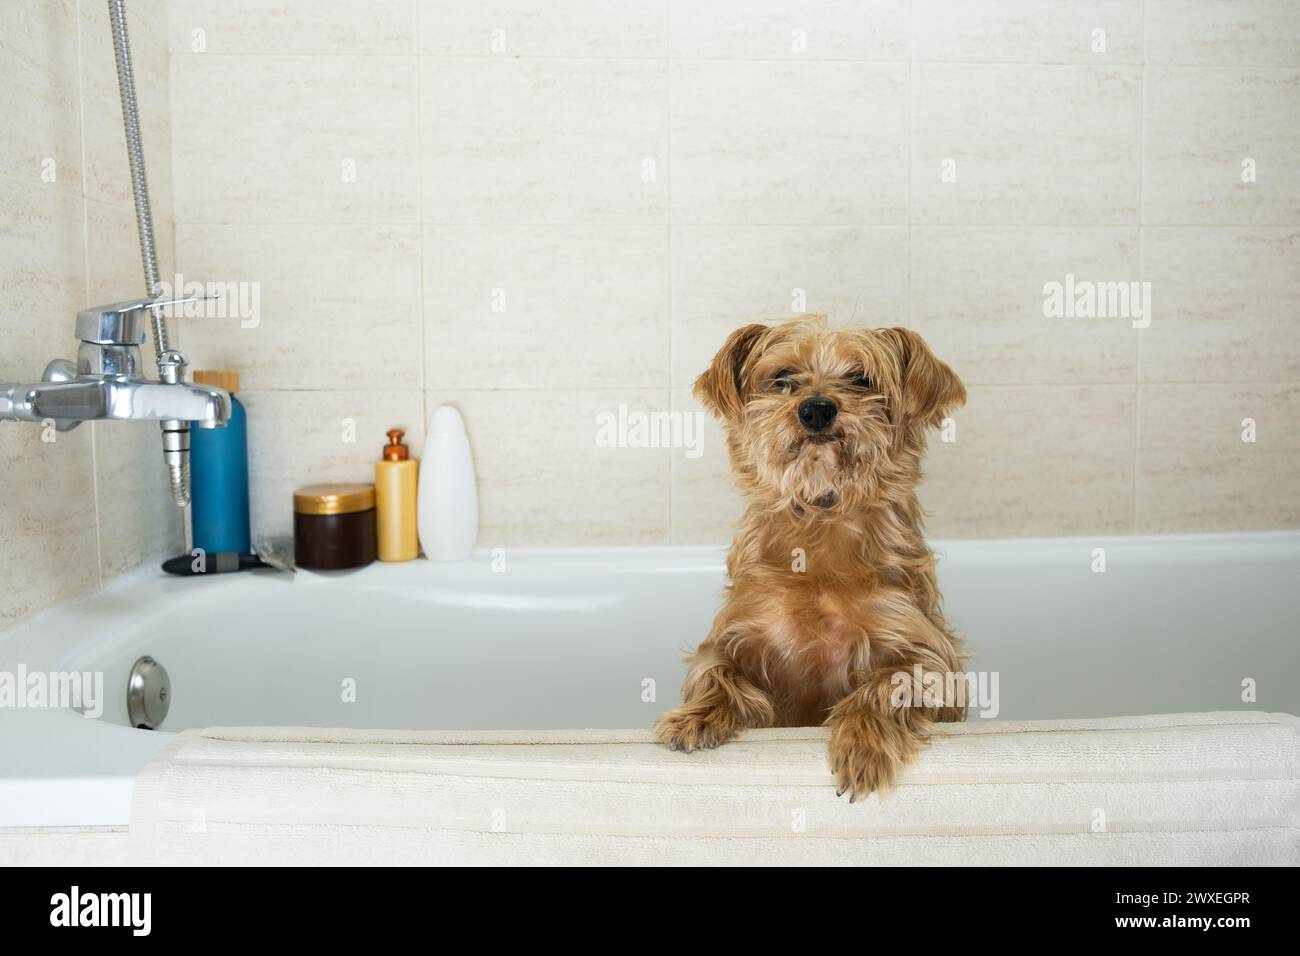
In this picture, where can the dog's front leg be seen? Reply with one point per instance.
(871, 740)
(718, 700)
(882, 723)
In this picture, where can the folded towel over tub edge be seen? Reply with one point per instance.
(1179, 788)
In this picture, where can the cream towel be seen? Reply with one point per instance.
(1195, 789)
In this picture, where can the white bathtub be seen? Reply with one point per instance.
(570, 638)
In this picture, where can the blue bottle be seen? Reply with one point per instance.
(219, 475)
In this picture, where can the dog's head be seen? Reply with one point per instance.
(826, 420)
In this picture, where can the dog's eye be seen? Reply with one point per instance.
(860, 379)
(783, 380)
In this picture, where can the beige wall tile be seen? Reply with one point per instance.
(1195, 473)
(790, 143)
(138, 520)
(543, 480)
(294, 138)
(42, 275)
(47, 519)
(546, 306)
(1240, 33)
(114, 270)
(1201, 125)
(1224, 304)
(146, 20)
(321, 26)
(298, 438)
(977, 297)
(1028, 31)
(47, 512)
(1034, 461)
(706, 503)
(781, 29)
(551, 140)
(39, 101)
(604, 28)
(1029, 144)
(724, 277)
(338, 305)
(107, 174)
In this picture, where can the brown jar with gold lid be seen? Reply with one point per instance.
(334, 526)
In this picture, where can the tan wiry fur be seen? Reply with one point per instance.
(799, 646)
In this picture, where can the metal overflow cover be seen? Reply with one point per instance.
(148, 694)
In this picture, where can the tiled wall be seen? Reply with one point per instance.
(541, 210)
(635, 179)
(93, 503)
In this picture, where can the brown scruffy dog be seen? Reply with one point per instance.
(833, 592)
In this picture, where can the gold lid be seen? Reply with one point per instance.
(333, 499)
(395, 450)
(227, 378)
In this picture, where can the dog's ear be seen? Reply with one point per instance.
(722, 386)
(928, 388)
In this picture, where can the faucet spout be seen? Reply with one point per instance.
(114, 398)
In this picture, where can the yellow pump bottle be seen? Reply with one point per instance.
(395, 484)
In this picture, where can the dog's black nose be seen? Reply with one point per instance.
(817, 413)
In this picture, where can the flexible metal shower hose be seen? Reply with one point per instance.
(175, 434)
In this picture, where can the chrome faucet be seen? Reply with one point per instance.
(106, 381)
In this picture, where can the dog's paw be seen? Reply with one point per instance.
(690, 728)
(866, 754)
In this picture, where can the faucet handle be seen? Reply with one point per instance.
(120, 323)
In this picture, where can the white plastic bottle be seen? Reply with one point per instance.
(448, 505)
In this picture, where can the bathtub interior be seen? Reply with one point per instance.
(595, 639)
(549, 645)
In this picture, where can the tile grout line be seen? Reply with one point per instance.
(735, 224)
(420, 227)
(1137, 364)
(909, 147)
(186, 522)
(186, 527)
(616, 389)
(85, 275)
(1086, 64)
(668, 232)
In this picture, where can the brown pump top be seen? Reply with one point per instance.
(395, 450)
